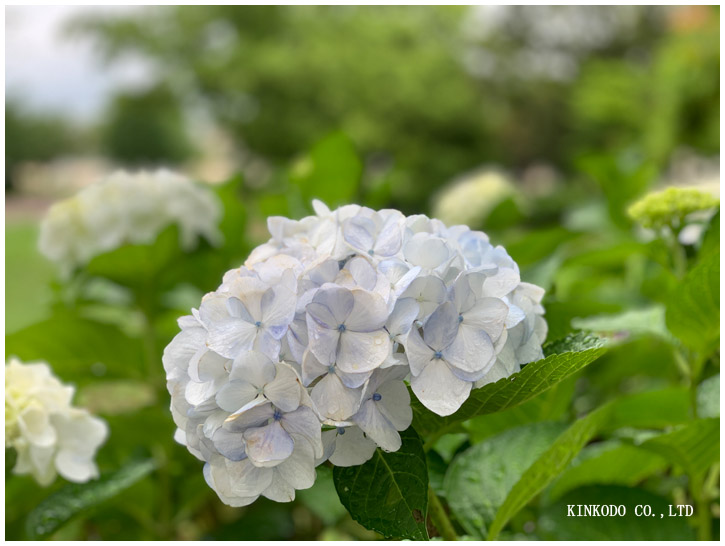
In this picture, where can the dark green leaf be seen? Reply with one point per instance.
(556, 525)
(61, 506)
(609, 463)
(511, 391)
(480, 478)
(389, 493)
(693, 310)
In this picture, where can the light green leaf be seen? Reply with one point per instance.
(648, 320)
(322, 499)
(693, 310)
(61, 506)
(708, 397)
(330, 173)
(629, 411)
(480, 478)
(550, 405)
(695, 446)
(508, 392)
(389, 493)
(554, 524)
(135, 265)
(609, 463)
(77, 348)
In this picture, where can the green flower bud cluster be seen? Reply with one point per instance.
(670, 207)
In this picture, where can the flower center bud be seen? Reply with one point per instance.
(331, 369)
(341, 328)
(258, 324)
(277, 415)
(371, 252)
(460, 318)
(438, 355)
(377, 397)
(340, 430)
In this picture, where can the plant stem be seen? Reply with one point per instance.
(439, 517)
(702, 506)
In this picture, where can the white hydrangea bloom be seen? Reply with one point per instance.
(127, 208)
(49, 435)
(302, 355)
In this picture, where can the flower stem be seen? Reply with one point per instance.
(439, 517)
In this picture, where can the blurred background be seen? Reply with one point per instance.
(539, 125)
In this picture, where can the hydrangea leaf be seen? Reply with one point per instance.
(554, 525)
(479, 479)
(331, 172)
(610, 463)
(633, 322)
(533, 379)
(389, 493)
(634, 410)
(72, 499)
(694, 446)
(693, 310)
(80, 348)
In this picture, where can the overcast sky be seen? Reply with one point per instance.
(52, 72)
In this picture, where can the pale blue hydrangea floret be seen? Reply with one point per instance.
(305, 353)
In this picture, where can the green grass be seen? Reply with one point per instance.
(27, 277)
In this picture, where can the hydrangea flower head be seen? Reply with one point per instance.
(302, 354)
(49, 435)
(127, 208)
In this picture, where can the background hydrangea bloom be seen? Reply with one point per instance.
(302, 354)
(49, 435)
(127, 208)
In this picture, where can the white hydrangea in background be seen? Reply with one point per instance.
(302, 354)
(49, 435)
(470, 198)
(127, 208)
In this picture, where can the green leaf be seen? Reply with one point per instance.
(548, 466)
(693, 309)
(711, 239)
(480, 478)
(610, 463)
(135, 265)
(551, 405)
(508, 392)
(61, 506)
(554, 524)
(330, 173)
(629, 411)
(647, 320)
(389, 493)
(77, 348)
(708, 397)
(694, 446)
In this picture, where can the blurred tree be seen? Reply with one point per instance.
(146, 128)
(33, 137)
(429, 92)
